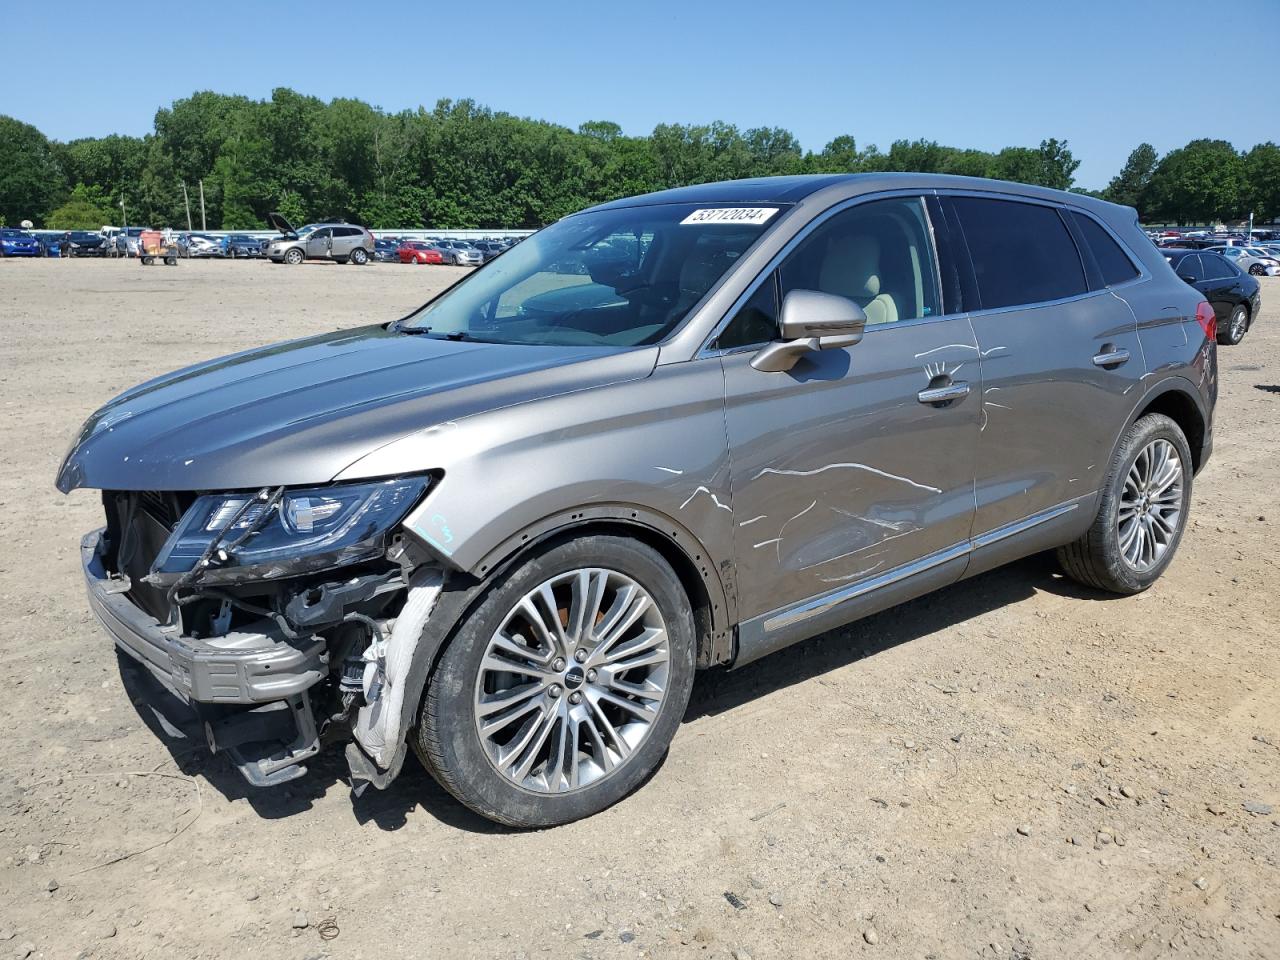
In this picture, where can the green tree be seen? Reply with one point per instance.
(1129, 186)
(1199, 183)
(86, 209)
(31, 183)
(1262, 181)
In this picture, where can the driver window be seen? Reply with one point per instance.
(877, 254)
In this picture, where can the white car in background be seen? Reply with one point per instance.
(1252, 260)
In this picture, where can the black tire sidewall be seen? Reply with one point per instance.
(1151, 427)
(447, 723)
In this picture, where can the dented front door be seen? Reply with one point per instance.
(841, 469)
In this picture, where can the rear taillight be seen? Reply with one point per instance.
(1207, 320)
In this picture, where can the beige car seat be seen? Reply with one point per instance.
(851, 269)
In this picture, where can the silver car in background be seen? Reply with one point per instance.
(459, 252)
(1252, 260)
(339, 242)
(669, 433)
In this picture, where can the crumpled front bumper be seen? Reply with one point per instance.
(244, 667)
(249, 686)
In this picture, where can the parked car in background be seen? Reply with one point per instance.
(419, 251)
(50, 244)
(488, 249)
(241, 245)
(1235, 296)
(123, 241)
(18, 243)
(386, 250)
(82, 243)
(460, 252)
(1252, 260)
(203, 246)
(340, 242)
(506, 536)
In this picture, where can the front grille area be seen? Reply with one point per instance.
(138, 524)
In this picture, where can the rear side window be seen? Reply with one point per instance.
(1022, 252)
(1113, 263)
(1189, 268)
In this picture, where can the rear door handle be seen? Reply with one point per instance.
(1112, 358)
(939, 395)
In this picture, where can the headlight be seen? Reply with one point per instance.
(304, 530)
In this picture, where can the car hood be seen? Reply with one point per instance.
(300, 412)
(277, 222)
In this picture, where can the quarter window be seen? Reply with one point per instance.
(1113, 263)
(1215, 268)
(1022, 252)
(877, 254)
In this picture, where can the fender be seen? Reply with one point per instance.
(1175, 383)
(721, 601)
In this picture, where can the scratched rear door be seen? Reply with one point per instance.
(842, 468)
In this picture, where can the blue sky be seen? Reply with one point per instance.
(1103, 75)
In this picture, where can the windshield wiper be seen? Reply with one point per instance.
(420, 331)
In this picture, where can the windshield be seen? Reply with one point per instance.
(622, 277)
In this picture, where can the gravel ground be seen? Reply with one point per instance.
(1013, 767)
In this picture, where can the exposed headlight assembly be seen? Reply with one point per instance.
(234, 537)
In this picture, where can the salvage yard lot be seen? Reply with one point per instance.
(1013, 767)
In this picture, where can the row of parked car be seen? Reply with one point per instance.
(338, 241)
(1258, 254)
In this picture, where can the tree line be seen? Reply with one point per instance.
(463, 165)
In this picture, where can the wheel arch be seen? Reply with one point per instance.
(691, 561)
(1176, 398)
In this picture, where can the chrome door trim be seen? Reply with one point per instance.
(1025, 524)
(815, 606)
(824, 602)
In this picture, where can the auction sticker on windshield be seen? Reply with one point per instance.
(753, 215)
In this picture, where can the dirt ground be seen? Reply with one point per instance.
(1013, 767)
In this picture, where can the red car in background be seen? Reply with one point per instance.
(418, 251)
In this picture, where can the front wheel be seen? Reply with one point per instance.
(1257, 270)
(293, 256)
(1142, 513)
(1235, 328)
(560, 693)
(359, 257)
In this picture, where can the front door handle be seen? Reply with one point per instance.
(1111, 358)
(944, 394)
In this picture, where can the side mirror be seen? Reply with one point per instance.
(811, 320)
(1189, 279)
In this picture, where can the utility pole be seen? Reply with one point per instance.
(123, 216)
(203, 224)
(187, 203)
(1251, 226)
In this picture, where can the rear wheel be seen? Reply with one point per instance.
(560, 693)
(1142, 513)
(1257, 270)
(359, 257)
(1237, 325)
(293, 256)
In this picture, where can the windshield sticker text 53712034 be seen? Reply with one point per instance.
(748, 215)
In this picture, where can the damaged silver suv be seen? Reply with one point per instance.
(667, 433)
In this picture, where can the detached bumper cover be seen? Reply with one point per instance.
(240, 668)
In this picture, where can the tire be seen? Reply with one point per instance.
(293, 256)
(1103, 557)
(1236, 327)
(565, 698)
(1257, 270)
(359, 256)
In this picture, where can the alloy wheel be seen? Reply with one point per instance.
(572, 681)
(1236, 331)
(1150, 510)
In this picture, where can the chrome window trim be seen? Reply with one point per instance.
(706, 350)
